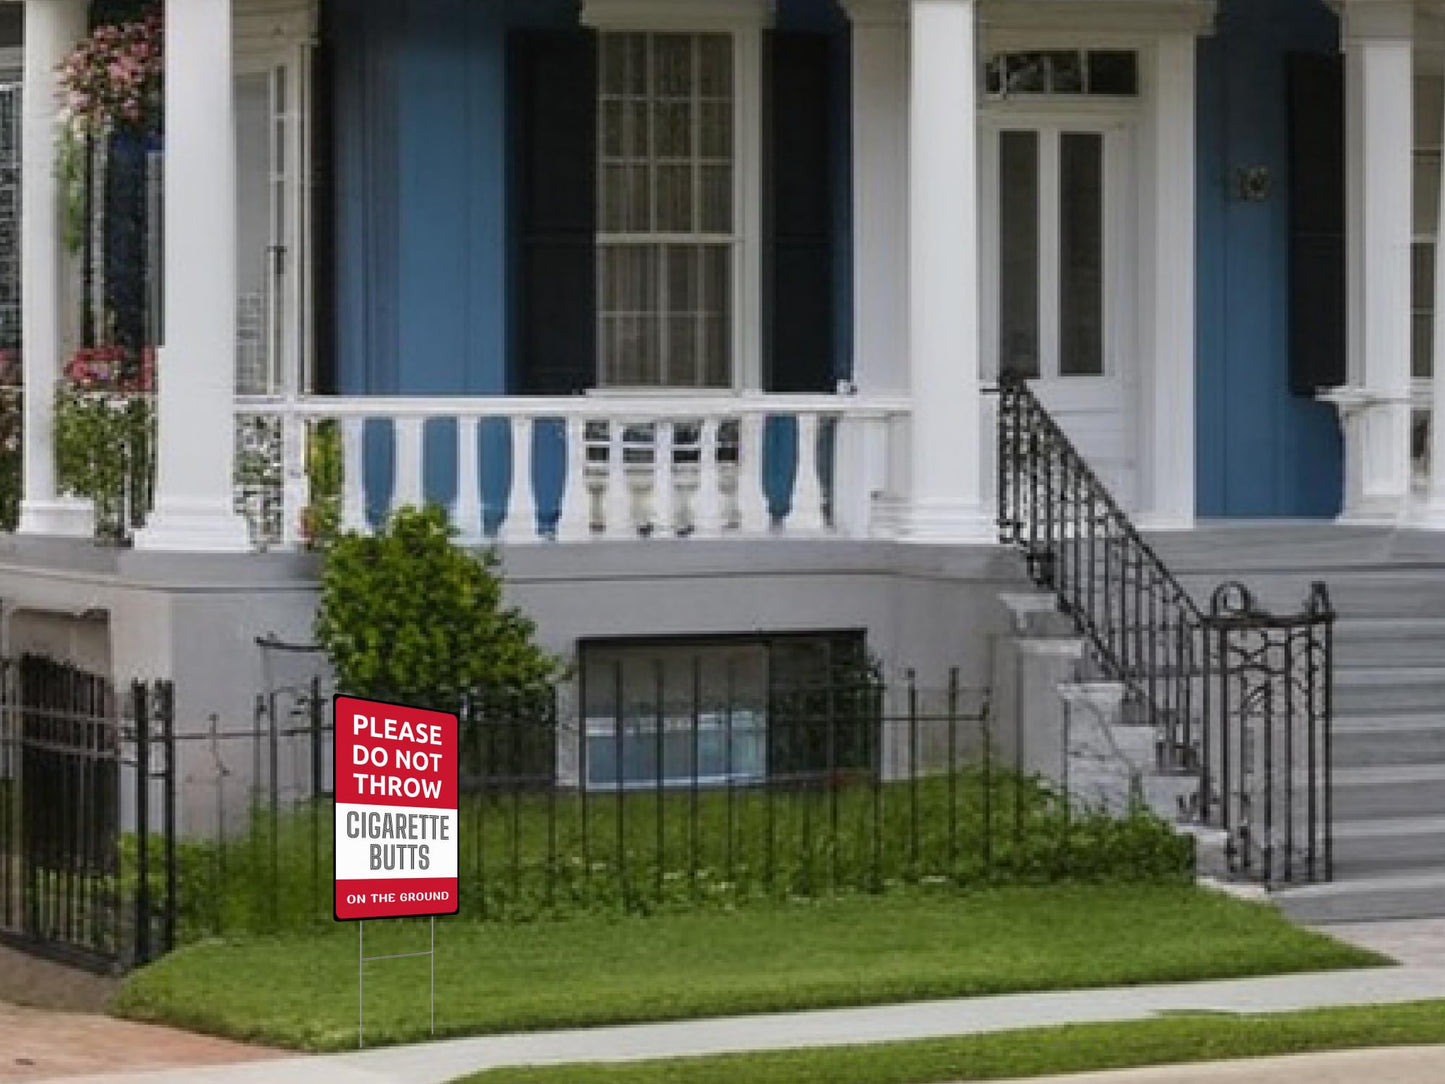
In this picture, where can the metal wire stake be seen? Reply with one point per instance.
(360, 978)
(433, 955)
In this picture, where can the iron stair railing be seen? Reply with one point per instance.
(1238, 698)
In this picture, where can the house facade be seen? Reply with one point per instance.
(697, 307)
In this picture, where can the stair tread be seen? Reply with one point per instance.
(1367, 883)
(1390, 773)
(1386, 827)
(1385, 722)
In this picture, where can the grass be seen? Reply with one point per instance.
(299, 990)
(1033, 1052)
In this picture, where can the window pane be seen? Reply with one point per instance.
(1427, 194)
(1428, 119)
(1027, 73)
(1113, 73)
(674, 199)
(1066, 73)
(1019, 253)
(717, 199)
(672, 65)
(673, 121)
(1422, 303)
(1081, 254)
(716, 63)
(717, 130)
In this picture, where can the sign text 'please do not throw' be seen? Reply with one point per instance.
(396, 775)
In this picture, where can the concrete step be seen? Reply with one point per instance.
(1360, 899)
(1396, 791)
(1396, 845)
(1390, 642)
(1389, 690)
(1375, 741)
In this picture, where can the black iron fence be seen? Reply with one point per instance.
(124, 832)
(1238, 697)
(87, 806)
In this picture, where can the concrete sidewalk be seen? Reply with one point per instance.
(1420, 947)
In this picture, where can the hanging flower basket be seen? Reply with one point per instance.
(110, 84)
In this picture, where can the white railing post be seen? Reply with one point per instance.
(521, 522)
(753, 512)
(406, 488)
(664, 497)
(574, 521)
(707, 507)
(295, 482)
(467, 508)
(806, 511)
(617, 499)
(353, 480)
(860, 471)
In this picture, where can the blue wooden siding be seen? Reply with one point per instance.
(424, 250)
(1262, 452)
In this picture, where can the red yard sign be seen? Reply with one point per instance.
(396, 772)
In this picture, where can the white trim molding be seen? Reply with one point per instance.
(696, 15)
(1101, 16)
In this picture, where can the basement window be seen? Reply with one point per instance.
(723, 711)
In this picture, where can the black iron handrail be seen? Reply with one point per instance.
(1145, 628)
(1238, 697)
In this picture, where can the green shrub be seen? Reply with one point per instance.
(408, 617)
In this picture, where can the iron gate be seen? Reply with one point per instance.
(87, 814)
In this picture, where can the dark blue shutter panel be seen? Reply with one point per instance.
(1317, 319)
(798, 199)
(554, 98)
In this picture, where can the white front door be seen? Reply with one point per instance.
(1058, 276)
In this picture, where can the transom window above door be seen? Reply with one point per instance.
(666, 220)
(1110, 73)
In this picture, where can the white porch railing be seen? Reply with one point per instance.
(583, 467)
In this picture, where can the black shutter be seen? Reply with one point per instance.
(554, 102)
(799, 207)
(1317, 321)
(323, 206)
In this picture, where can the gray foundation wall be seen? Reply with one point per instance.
(195, 619)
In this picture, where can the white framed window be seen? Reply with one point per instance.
(679, 193)
(667, 228)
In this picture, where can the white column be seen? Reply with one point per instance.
(196, 371)
(52, 28)
(1379, 137)
(1433, 514)
(946, 499)
(1167, 377)
(880, 263)
(880, 194)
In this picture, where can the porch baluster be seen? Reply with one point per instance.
(664, 503)
(467, 508)
(806, 513)
(407, 487)
(617, 499)
(574, 519)
(753, 509)
(521, 522)
(707, 506)
(353, 484)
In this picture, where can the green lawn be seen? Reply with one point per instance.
(1034, 1052)
(300, 990)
